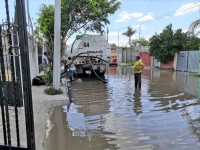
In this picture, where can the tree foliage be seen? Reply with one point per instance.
(193, 26)
(163, 46)
(113, 46)
(88, 15)
(142, 42)
(129, 33)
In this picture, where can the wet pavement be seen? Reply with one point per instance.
(164, 115)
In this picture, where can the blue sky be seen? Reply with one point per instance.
(134, 12)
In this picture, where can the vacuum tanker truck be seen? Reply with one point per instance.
(90, 54)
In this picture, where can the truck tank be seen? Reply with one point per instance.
(97, 49)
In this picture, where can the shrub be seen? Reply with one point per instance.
(52, 91)
(48, 78)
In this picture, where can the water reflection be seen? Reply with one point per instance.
(163, 115)
(112, 70)
(137, 102)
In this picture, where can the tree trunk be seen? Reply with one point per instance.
(63, 48)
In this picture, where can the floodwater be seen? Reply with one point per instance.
(164, 115)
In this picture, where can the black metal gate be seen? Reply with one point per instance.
(15, 84)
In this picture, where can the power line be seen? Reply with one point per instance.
(159, 4)
(148, 7)
(142, 22)
(160, 17)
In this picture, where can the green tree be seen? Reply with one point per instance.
(142, 42)
(129, 33)
(191, 43)
(164, 46)
(88, 15)
(113, 46)
(193, 26)
(44, 30)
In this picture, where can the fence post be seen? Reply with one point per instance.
(27, 92)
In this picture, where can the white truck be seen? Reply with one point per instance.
(96, 50)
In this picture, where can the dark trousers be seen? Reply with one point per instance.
(138, 80)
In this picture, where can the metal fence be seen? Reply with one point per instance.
(15, 84)
(155, 62)
(187, 61)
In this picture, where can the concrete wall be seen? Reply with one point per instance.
(128, 54)
(33, 58)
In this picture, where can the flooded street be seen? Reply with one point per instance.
(164, 115)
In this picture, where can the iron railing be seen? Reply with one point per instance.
(15, 84)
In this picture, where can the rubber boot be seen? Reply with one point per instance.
(70, 78)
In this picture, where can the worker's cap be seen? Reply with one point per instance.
(138, 57)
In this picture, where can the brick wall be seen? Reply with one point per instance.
(169, 65)
(146, 59)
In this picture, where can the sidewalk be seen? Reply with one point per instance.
(42, 103)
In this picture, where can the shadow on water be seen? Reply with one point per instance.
(163, 115)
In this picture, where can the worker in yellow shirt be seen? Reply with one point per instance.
(138, 66)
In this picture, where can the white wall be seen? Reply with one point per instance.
(33, 58)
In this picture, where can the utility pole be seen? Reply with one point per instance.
(118, 38)
(139, 38)
(57, 47)
(126, 51)
(107, 33)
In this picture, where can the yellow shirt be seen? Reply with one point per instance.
(137, 66)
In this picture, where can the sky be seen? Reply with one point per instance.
(153, 15)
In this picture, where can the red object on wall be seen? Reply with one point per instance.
(146, 59)
(169, 65)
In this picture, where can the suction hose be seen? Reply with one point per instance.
(105, 81)
(71, 63)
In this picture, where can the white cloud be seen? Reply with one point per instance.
(148, 17)
(186, 30)
(187, 8)
(124, 16)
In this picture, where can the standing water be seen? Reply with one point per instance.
(164, 115)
